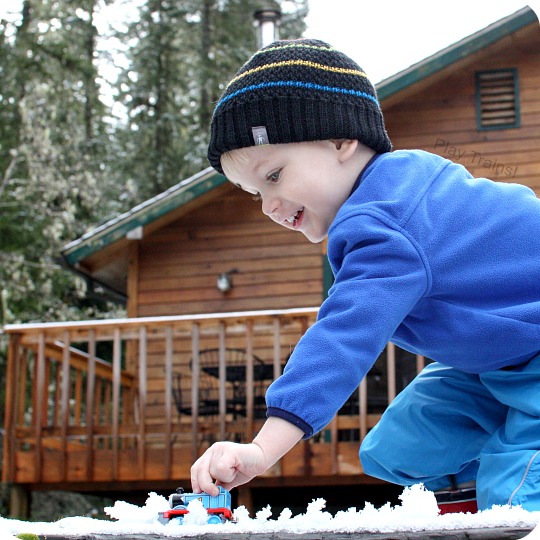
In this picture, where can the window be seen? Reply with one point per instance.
(497, 99)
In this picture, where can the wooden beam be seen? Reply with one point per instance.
(117, 368)
(40, 398)
(168, 399)
(249, 382)
(90, 406)
(12, 397)
(196, 371)
(143, 391)
(64, 404)
(133, 278)
(222, 379)
(391, 371)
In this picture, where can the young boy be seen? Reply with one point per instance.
(424, 255)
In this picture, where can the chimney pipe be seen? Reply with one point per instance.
(267, 22)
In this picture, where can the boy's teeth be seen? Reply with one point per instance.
(293, 218)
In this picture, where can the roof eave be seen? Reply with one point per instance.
(141, 215)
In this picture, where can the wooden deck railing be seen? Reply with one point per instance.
(139, 400)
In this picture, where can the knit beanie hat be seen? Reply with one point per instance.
(296, 91)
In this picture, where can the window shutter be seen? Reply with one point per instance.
(497, 103)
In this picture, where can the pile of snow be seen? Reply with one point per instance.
(418, 511)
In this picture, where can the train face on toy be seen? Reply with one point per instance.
(218, 507)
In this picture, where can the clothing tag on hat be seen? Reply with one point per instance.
(260, 136)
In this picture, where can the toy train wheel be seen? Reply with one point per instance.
(214, 520)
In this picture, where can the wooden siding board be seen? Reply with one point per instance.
(178, 265)
(173, 270)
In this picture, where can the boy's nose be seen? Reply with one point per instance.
(270, 207)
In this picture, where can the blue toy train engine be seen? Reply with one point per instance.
(218, 507)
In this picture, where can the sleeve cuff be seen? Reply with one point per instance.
(292, 419)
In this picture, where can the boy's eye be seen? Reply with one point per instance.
(274, 177)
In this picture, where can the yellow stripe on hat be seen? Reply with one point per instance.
(305, 63)
(294, 45)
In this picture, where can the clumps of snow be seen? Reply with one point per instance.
(417, 511)
(123, 511)
(197, 513)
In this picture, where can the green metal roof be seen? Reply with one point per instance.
(147, 212)
(199, 184)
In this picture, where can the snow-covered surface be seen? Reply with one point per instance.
(417, 512)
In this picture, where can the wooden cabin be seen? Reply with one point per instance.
(127, 405)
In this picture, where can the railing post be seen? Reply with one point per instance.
(195, 371)
(222, 378)
(90, 405)
(38, 412)
(334, 466)
(64, 406)
(391, 371)
(117, 366)
(363, 399)
(143, 390)
(277, 346)
(168, 398)
(420, 363)
(277, 366)
(249, 380)
(12, 396)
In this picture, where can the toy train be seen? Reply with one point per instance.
(218, 507)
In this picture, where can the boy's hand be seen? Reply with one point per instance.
(234, 464)
(230, 464)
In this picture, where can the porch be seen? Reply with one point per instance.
(127, 403)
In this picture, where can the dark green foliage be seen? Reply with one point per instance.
(186, 50)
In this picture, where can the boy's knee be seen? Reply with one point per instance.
(370, 458)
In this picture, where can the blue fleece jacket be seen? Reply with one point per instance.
(425, 256)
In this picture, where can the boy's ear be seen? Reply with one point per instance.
(345, 148)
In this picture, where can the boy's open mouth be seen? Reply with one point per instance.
(295, 219)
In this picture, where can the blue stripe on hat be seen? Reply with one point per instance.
(297, 84)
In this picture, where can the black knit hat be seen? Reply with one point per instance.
(296, 91)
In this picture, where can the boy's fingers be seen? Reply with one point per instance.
(201, 480)
(213, 464)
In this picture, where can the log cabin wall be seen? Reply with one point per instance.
(274, 268)
(441, 118)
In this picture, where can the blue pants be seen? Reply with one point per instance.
(475, 427)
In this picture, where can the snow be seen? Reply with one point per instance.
(416, 512)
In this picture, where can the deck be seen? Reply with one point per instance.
(131, 403)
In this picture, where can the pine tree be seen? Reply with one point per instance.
(53, 143)
(184, 52)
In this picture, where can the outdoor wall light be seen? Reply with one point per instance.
(224, 281)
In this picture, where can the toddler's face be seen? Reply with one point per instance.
(301, 185)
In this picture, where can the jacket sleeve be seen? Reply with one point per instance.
(380, 274)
